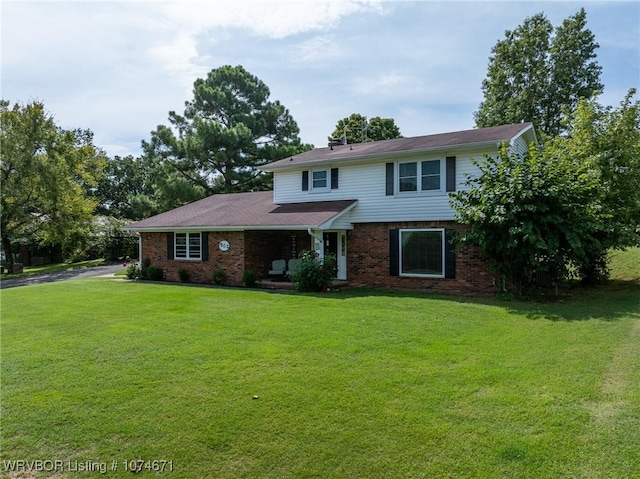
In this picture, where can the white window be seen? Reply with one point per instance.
(188, 246)
(417, 176)
(320, 180)
(422, 253)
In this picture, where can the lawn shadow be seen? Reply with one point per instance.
(611, 302)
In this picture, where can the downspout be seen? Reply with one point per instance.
(140, 250)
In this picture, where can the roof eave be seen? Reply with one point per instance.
(378, 156)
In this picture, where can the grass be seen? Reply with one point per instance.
(625, 265)
(358, 383)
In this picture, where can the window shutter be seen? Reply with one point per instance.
(170, 248)
(450, 254)
(451, 173)
(334, 178)
(204, 243)
(305, 180)
(394, 252)
(389, 179)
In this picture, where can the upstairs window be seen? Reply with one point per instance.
(319, 180)
(419, 176)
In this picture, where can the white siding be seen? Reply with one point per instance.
(366, 183)
(519, 146)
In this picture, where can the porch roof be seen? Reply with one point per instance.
(245, 211)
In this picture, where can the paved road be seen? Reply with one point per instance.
(60, 276)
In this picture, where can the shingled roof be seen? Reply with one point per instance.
(244, 211)
(478, 136)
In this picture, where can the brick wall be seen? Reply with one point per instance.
(368, 261)
(154, 250)
(367, 257)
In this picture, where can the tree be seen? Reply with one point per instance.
(534, 76)
(358, 129)
(46, 172)
(226, 133)
(606, 141)
(532, 213)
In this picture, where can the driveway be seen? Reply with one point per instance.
(60, 276)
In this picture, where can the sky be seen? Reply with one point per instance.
(119, 68)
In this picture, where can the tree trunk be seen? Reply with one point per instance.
(8, 254)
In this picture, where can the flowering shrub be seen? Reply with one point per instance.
(133, 271)
(313, 274)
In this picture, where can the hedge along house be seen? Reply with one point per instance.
(381, 208)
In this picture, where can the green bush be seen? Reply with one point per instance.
(154, 273)
(313, 274)
(249, 278)
(134, 271)
(184, 275)
(219, 277)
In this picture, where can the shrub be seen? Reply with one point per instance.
(219, 277)
(184, 275)
(249, 278)
(134, 271)
(154, 273)
(313, 274)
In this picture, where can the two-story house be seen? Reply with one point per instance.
(381, 208)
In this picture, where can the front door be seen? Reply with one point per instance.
(331, 244)
(335, 245)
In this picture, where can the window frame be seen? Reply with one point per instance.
(327, 179)
(420, 175)
(443, 256)
(190, 253)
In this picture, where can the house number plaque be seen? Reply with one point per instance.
(224, 245)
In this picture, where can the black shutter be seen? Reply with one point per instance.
(451, 173)
(204, 242)
(450, 254)
(334, 178)
(389, 179)
(170, 252)
(394, 252)
(305, 180)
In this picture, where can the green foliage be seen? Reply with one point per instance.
(534, 76)
(113, 242)
(530, 214)
(312, 274)
(358, 129)
(153, 273)
(46, 173)
(134, 271)
(184, 275)
(228, 130)
(219, 277)
(249, 278)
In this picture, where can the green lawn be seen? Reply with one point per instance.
(358, 383)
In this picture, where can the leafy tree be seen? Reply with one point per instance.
(606, 141)
(535, 76)
(45, 173)
(226, 133)
(358, 129)
(136, 188)
(530, 213)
